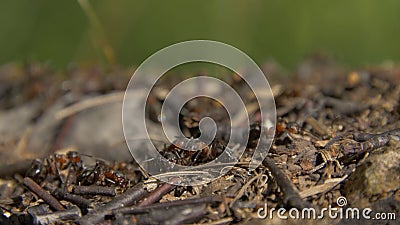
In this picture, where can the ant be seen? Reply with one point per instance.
(190, 151)
(51, 166)
(102, 174)
(287, 131)
(71, 158)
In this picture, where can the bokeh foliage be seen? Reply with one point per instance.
(355, 32)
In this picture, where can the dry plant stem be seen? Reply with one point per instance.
(142, 209)
(46, 196)
(158, 193)
(89, 103)
(322, 188)
(127, 198)
(291, 196)
(99, 36)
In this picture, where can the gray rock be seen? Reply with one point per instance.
(376, 178)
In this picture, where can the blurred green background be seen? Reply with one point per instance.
(59, 32)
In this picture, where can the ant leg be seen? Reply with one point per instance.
(196, 157)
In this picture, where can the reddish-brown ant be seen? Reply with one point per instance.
(290, 127)
(190, 151)
(64, 160)
(100, 174)
(52, 165)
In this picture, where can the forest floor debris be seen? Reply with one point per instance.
(337, 135)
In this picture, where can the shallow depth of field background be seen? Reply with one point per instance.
(355, 33)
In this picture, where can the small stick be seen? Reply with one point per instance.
(51, 218)
(364, 137)
(63, 194)
(176, 215)
(143, 209)
(127, 198)
(157, 194)
(93, 190)
(345, 106)
(75, 199)
(46, 196)
(317, 126)
(360, 137)
(291, 196)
